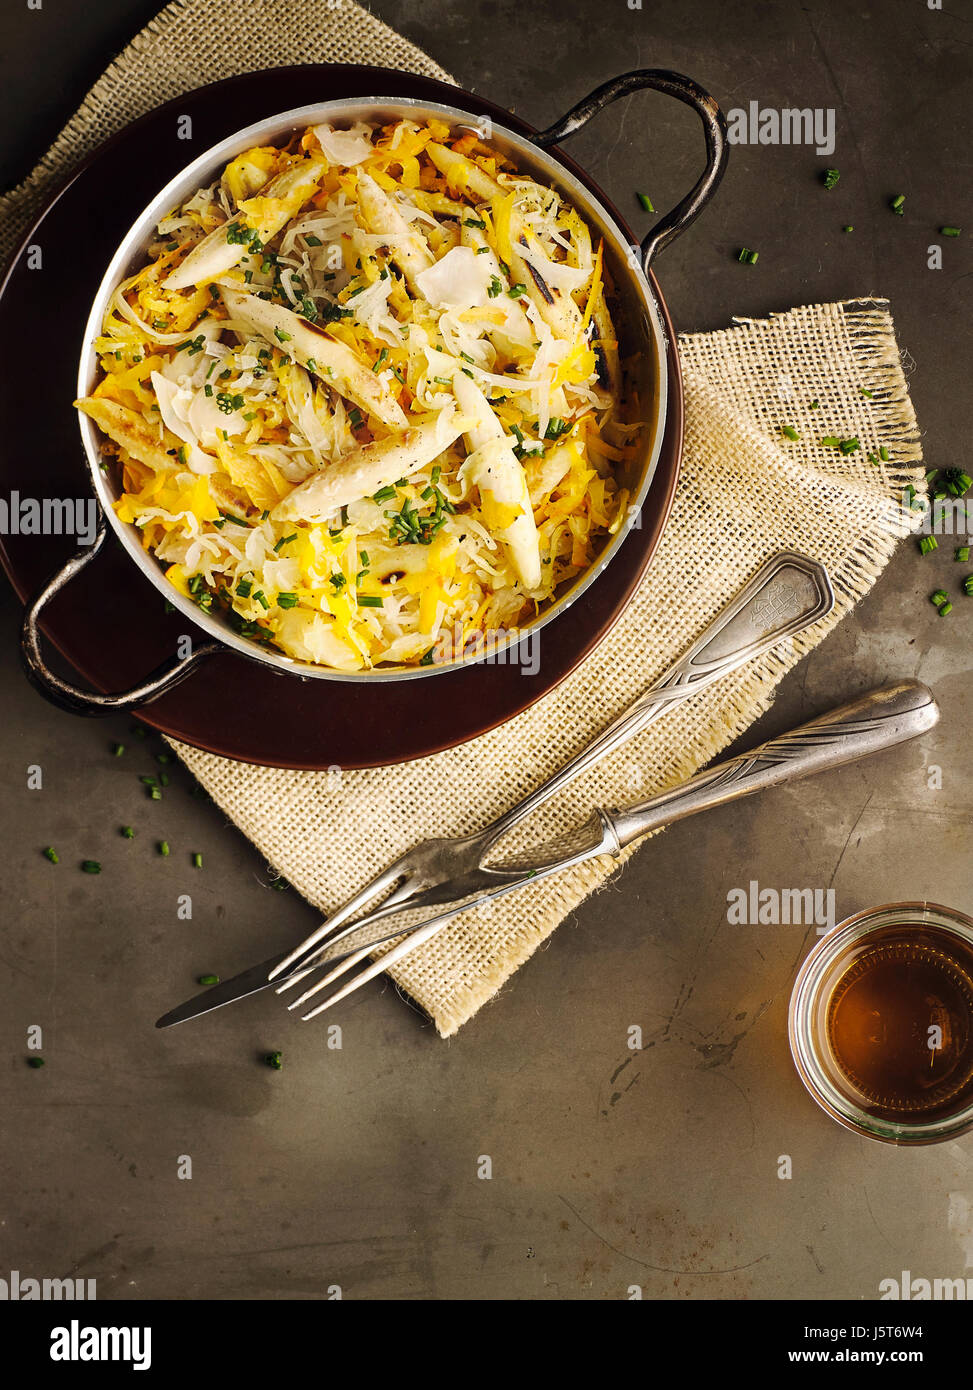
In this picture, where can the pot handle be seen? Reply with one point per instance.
(684, 89)
(70, 697)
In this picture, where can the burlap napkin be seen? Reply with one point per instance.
(745, 492)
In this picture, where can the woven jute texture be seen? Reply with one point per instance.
(745, 492)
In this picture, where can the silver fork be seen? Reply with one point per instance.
(873, 722)
(785, 596)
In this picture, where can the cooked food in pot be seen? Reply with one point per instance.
(365, 397)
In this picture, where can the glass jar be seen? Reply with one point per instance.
(927, 935)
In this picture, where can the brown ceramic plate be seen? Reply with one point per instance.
(110, 624)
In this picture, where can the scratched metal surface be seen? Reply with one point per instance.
(611, 1167)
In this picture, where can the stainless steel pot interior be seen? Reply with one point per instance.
(637, 317)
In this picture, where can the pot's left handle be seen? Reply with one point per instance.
(684, 89)
(71, 697)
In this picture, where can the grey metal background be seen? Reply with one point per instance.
(611, 1167)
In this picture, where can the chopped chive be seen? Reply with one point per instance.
(163, 848)
(864, 392)
(950, 231)
(443, 380)
(209, 979)
(155, 794)
(849, 228)
(35, 1062)
(52, 854)
(883, 454)
(128, 833)
(384, 494)
(312, 240)
(831, 177)
(958, 483)
(382, 357)
(260, 598)
(285, 600)
(197, 861)
(927, 544)
(646, 202)
(274, 1060)
(815, 404)
(370, 601)
(281, 336)
(962, 552)
(514, 292)
(849, 446)
(789, 432)
(747, 256)
(897, 204)
(495, 287)
(90, 866)
(474, 222)
(940, 596)
(945, 609)
(968, 584)
(830, 441)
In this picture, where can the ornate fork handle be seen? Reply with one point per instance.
(878, 720)
(785, 596)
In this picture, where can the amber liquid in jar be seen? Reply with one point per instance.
(900, 1023)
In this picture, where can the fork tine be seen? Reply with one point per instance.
(290, 981)
(348, 909)
(339, 969)
(377, 967)
(407, 893)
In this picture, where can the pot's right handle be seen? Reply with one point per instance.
(684, 89)
(72, 697)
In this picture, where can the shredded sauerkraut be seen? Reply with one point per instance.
(365, 395)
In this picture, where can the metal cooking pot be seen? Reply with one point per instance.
(636, 312)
